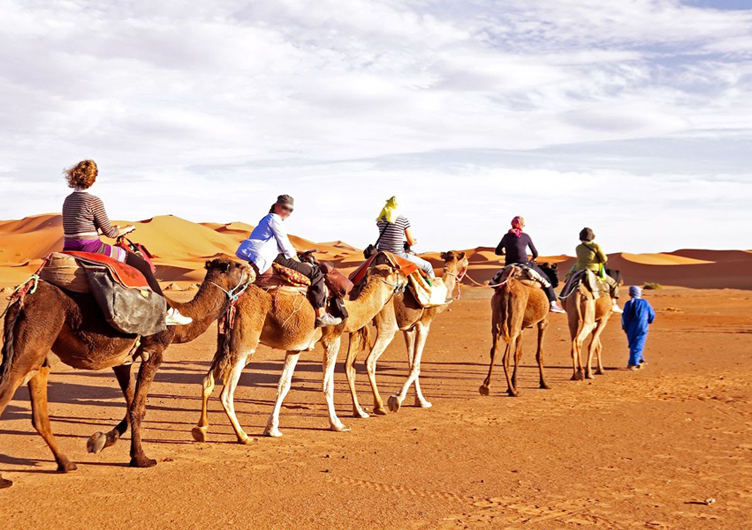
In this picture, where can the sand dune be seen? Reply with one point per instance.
(181, 247)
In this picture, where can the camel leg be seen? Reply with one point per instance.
(207, 387)
(416, 340)
(517, 357)
(40, 418)
(228, 394)
(383, 339)
(99, 440)
(25, 347)
(331, 350)
(510, 349)
(487, 381)
(599, 358)
(597, 345)
(542, 325)
(352, 356)
(395, 400)
(420, 400)
(138, 408)
(285, 380)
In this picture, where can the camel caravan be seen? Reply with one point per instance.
(94, 306)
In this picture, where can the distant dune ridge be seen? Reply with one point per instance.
(181, 247)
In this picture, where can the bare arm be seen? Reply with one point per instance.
(410, 237)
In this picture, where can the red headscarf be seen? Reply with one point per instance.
(518, 224)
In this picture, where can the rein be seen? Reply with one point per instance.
(227, 320)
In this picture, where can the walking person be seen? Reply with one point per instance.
(394, 231)
(514, 245)
(637, 317)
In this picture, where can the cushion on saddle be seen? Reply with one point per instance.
(524, 274)
(591, 282)
(274, 279)
(407, 267)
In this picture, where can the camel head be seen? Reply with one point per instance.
(455, 261)
(552, 271)
(228, 274)
(616, 275)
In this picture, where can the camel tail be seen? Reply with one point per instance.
(11, 317)
(506, 315)
(223, 358)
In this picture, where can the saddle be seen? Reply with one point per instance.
(592, 283)
(523, 274)
(121, 292)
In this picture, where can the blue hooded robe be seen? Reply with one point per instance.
(638, 315)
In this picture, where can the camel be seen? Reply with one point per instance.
(601, 313)
(580, 307)
(517, 304)
(402, 313)
(52, 324)
(286, 322)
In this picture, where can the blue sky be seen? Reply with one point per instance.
(631, 117)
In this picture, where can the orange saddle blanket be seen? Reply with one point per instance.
(123, 273)
(407, 267)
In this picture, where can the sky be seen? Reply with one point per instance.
(631, 117)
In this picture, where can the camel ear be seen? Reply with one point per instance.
(208, 264)
(445, 256)
(224, 266)
(460, 255)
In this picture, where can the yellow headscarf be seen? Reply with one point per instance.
(389, 211)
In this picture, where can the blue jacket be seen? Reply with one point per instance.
(638, 315)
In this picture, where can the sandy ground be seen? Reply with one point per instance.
(628, 450)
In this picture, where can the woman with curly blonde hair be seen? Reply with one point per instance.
(84, 217)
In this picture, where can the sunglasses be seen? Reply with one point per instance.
(286, 208)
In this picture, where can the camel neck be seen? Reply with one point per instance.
(369, 302)
(206, 307)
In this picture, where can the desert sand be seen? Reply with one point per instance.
(643, 449)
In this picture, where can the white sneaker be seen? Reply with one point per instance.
(174, 318)
(556, 308)
(328, 320)
(615, 308)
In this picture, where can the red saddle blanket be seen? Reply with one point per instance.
(407, 267)
(124, 274)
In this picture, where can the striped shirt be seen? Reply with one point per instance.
(83, 214)
(393, 239)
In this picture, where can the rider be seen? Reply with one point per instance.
(513, 246)
(268, 243)
(591, 257)
(84, 216)
(394, 229)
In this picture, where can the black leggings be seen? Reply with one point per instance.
(317, 290)
(550, 294)
(139, 263)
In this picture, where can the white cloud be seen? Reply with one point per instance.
(208, 110)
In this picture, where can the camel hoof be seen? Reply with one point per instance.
(512, 393)
(339, 428)
(360, 414)
(66, 467)
(484, 390)
(96, 442)
(142, 461)
(394, 403)
(246, 441)
(423, 404)
(5, 483)
(380, 410)
(589, 376)
(272, 432)
(199, 434)
(600, 372)
(544, 386)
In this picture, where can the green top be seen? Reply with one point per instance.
(589, 257)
